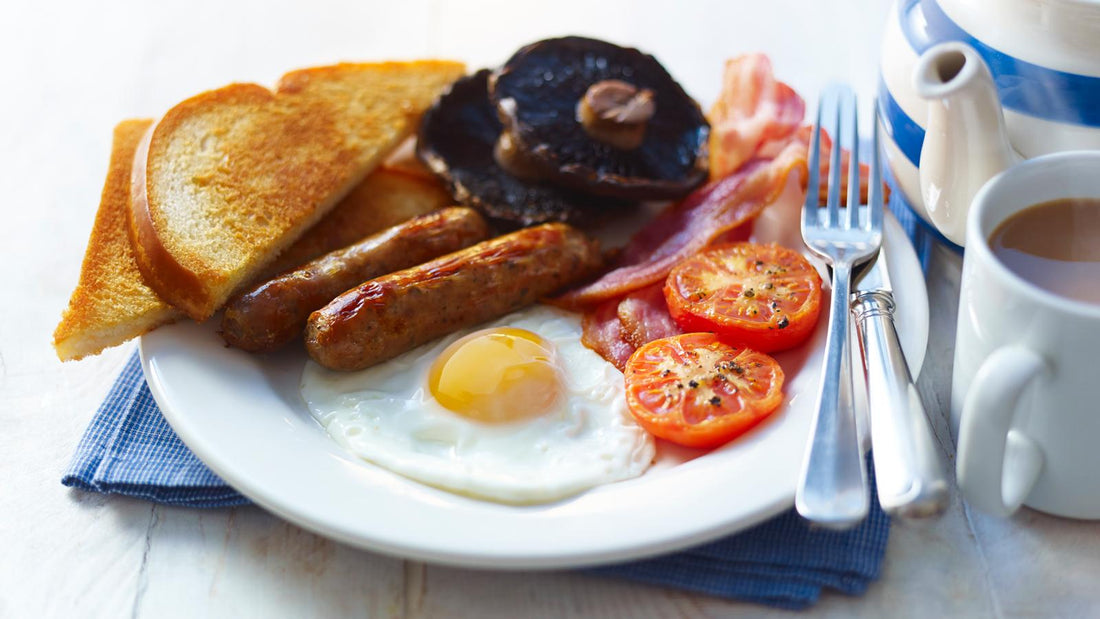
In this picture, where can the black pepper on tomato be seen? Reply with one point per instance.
(764, 297)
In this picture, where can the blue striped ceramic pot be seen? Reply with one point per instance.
(1044, 56)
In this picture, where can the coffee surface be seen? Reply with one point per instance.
(1054, 245)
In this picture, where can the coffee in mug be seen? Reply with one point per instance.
(1054, 245)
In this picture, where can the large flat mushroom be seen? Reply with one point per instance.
(601, 119)
(458, 140)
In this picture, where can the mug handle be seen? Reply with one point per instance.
(998, 465)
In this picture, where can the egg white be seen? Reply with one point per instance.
(386, 415)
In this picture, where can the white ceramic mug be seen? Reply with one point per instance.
(1025, 400)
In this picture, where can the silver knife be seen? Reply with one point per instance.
(909, 471)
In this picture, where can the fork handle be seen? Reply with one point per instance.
(832, 488)
(908, 469)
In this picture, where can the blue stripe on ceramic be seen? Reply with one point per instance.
(1023, 87)
(903, 130)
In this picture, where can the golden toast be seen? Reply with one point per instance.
(112, 304)
(227, 180)
(385, 198)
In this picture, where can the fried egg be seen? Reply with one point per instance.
(515, 411)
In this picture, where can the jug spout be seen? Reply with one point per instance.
(965, 142)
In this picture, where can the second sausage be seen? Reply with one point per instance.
(395, 313)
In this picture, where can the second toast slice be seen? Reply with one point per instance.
(228, 179)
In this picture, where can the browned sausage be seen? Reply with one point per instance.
(400, 311)
(271, 314)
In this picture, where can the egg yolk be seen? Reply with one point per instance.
(496, 375)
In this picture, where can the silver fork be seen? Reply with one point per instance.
(832, 488)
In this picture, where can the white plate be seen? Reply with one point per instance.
(242, 415)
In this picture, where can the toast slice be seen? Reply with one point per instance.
(112, 304)
(228, 179)
(385, 198)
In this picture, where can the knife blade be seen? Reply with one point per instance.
(909, 471)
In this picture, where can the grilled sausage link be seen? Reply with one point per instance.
(395, 313)
(273, 313)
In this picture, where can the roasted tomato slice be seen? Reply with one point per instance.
(695, 390)
(764, 297)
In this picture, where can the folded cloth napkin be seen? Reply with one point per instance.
(130, 449)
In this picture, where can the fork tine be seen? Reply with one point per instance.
(874, 189)
(810, 216)
(852, 220)
(832, 216)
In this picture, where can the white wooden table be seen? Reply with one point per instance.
(70, 71)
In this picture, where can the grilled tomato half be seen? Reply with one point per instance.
(763, 297)
(695, 390)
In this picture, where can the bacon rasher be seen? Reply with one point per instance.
(689, 226)
(603, 333)
(618, 327)
(644, 316)
(755, 114)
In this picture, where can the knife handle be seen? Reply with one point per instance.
(909, 471)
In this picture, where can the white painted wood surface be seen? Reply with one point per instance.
(71, 70)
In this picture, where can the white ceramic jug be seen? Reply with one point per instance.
(941, 105)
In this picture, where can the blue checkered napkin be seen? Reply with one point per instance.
(130, 449)
(783, 562)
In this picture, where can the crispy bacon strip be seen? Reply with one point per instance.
(755, 114)
(644, 316)
(603, 333)
(690, 225)
(616, 328)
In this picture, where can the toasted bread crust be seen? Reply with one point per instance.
(231, 177)
(159, 268)
(111, 303)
